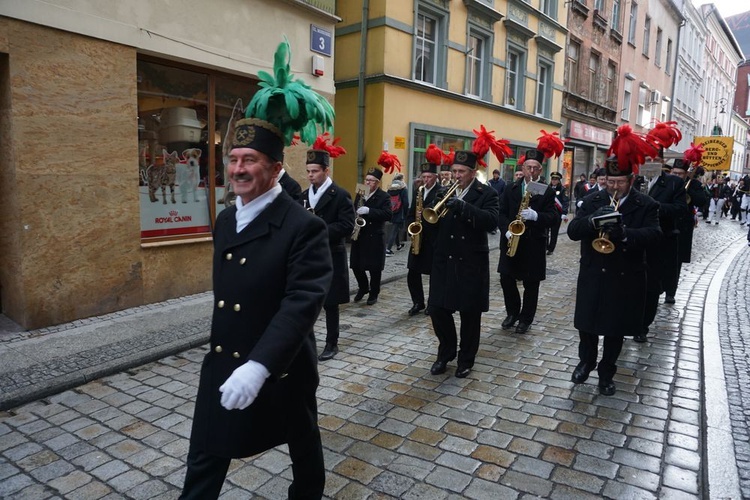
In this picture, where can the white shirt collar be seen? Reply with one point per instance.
(281, 174)
(247, 213)
(314, 197)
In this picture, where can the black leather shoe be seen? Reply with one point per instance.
(462, 372)
(415, 309)
(509, 321)
(549, 252)
(522, 327)
(329, 352)
(372, 299)
(669, 299)
(438, 367)
(640, 338)
(360, 293)
(607, 388)
(581, 373)
(427, 309)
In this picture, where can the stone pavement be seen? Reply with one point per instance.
(515, 428)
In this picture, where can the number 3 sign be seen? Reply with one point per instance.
(320, 40)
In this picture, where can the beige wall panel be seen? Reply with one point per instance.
(345, 167)
(176, 271)
(347, 56)
(399, 50)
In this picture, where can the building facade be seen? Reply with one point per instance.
(738, 130)
(112, 127)
(411, 73)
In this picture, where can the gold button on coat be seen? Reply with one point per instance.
(220, 304)
(237, 307)
(229, 256)
(236, 354)
(218, 348)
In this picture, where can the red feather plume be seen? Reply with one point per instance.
(389, 162)
(631, 149)
(694, 154)
(521, 160)
(485, 142)
(434, 155)
(448, 158)
(323, 143)
(665, 134)
(550, 144)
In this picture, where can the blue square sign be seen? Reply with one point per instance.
(320, 40)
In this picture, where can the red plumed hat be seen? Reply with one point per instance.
(665, 134)
(389, 162)
(485, 142)
(323, 150)
(694, 154)
(449, 158)
(630, 151)
(434, 155)
(550, 144)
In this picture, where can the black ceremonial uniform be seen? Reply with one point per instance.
(669, 191)
(291, 186)
(368, 251)
(335, 208)
(459, 280)
(561, 205)
(698, 198)
(422, 263)
(530, 262)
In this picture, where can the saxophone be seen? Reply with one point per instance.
(415, 228)
(359, 221)
(517, 227)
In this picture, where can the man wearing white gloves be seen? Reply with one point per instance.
(271, 272)
(529, 262)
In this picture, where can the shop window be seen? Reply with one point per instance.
(183, 115)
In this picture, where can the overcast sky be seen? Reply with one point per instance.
(727, 7)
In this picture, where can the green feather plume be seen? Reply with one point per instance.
(290, 104)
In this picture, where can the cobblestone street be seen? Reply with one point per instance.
(515, 428)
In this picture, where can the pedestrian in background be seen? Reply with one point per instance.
(399, 208)
(497, 183)
(561, 204)
(333, 205)
(271, 273)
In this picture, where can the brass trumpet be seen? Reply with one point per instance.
(432, 215)
(602, 244)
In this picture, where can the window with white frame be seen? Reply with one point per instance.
(643, 116)
(475, 64)
(633, 23)
(646, 35)
(574, 49)
(549, 7)
(615, 22)
(425, 52)
(513, 78)
(594, 66)
(657, 52)
(625, 114)
(544, 89)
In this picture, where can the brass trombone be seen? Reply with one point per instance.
(602, 244)
(432, 215)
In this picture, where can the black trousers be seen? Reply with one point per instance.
(414, 282)
(332, 324)
(206, 473)
(445, 331)
(373, 284)
(662, 275)
(588, 349)
(513, 298)
(553, 232)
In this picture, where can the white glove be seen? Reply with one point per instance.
(243, 385)
(529, 214)
(564, 217)
(363, 210)
(508, 234)
(579, 203)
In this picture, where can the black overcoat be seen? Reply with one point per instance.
(669, 191)
(290, 185)
(460, 277)
(270, 281)
(423, 261)
(686, 225)
(530, 261)
(611, 292)
(368, 251)
(335, 208)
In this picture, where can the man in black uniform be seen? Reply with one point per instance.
(289, 185)
(368, 250)
(611, 286)
(334, 205)
(421, 263)
(663, 259)
(460, 278)
(561, 204)
(529, 263)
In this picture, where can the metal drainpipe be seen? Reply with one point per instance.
(361, 91)
(674, 68)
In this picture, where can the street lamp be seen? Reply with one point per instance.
(718, 105)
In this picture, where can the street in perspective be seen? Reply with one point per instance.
(102, 408)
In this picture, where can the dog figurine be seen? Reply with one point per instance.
(188, 174)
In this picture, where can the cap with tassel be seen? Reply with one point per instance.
(628, 152)
(665, 135)
(485, 141)
(389, 162)
(548, 145)
(434, 156)
(323, 149)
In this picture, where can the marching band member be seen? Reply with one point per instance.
(460, 279)
(528, 262)
(612, 285)
(561, 204)
(333, 204)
